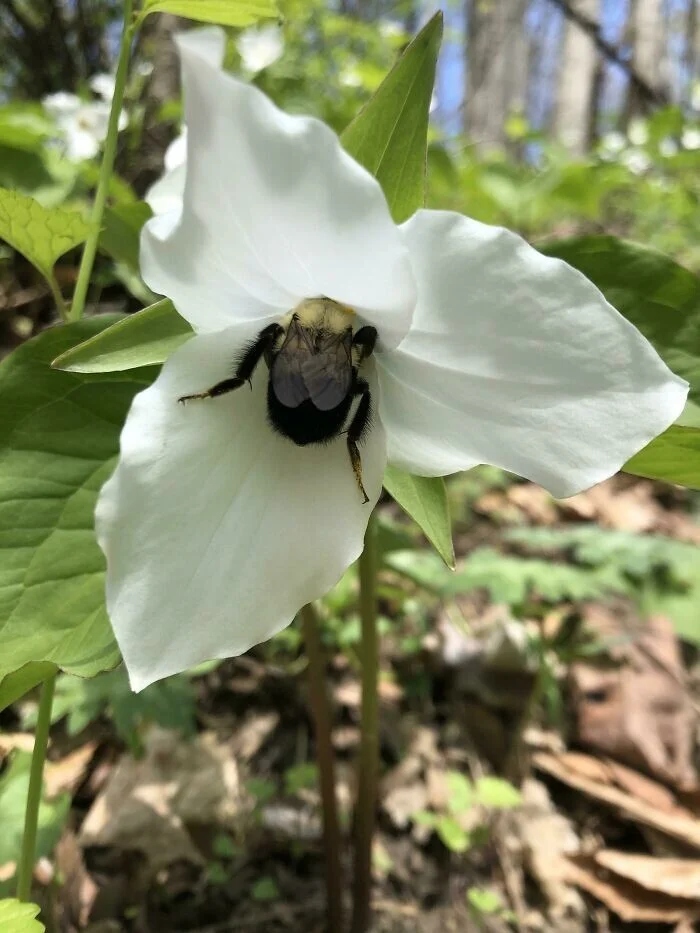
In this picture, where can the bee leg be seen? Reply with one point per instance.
(246, 365)
(363, 343)
(359, 426)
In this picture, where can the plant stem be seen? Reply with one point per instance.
(108, 156)
(368, 760)
(321, 712)
(25, 868)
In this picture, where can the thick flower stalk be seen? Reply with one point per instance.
(328, 342)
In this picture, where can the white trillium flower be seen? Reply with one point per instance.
(690, 138)
(215, 526)
(83, 124)
(103, 85)
(166, 194)
(260, 47)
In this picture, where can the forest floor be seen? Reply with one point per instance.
(546, 674)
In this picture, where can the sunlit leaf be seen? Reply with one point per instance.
(40, 234)
(389, 135)
(425, 500)
(224, 12)
(674, 456)
(19, 917)
(142, 339)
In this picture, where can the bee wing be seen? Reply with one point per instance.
(286, 374)
(328, 373)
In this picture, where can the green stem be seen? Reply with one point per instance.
(108, 156)
(58, 298)
(321, 712)
(368, 760)
(25, 868)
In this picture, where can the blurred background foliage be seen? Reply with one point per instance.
(552, 117)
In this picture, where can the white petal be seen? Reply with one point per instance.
(260, 47)
(81, 144)
(176, 153)
(215, 529)
(61, 104)
(103, 84)
(165, 195)
(275, 209)
(207, 42)
(517, 360)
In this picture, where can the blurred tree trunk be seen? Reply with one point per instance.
(577, 88)
(156, 45)
(497, 68)
(647, 32)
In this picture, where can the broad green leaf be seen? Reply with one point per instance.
(389, 135)
(15, 685)
(674, 456)
(121, 231)
(14, 784)
(59, 435)
(18, 917)
(425, 500)
(39, 234)
(652, 291)
(224, 12)
(142, 339)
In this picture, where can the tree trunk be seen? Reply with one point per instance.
(576, 103)
(647, 31)
(497, 58)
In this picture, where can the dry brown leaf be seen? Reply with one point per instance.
(546, 837)
(252, 734)
(148, 803)
(534, 501)
(78, 890)
(673, 876)
(630, 509)
(638, 711)
(348, 693)
(592, 777)
(631, 902)
(68, 773)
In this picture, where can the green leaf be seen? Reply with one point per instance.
(652, 291)
(14, 784)
(59, 435)
(389, 135)
(121, 231)
(224, 12)
(142, 339)
(674, 457)
(461, 792)
(452, 835)
(425, 500)
(484, 901)
(15, 685)
(496, 793)
(18, 917)
(265, 889)
(39, 234)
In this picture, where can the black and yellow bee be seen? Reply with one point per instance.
(314, 359)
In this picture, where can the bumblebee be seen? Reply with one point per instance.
(314, 358)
